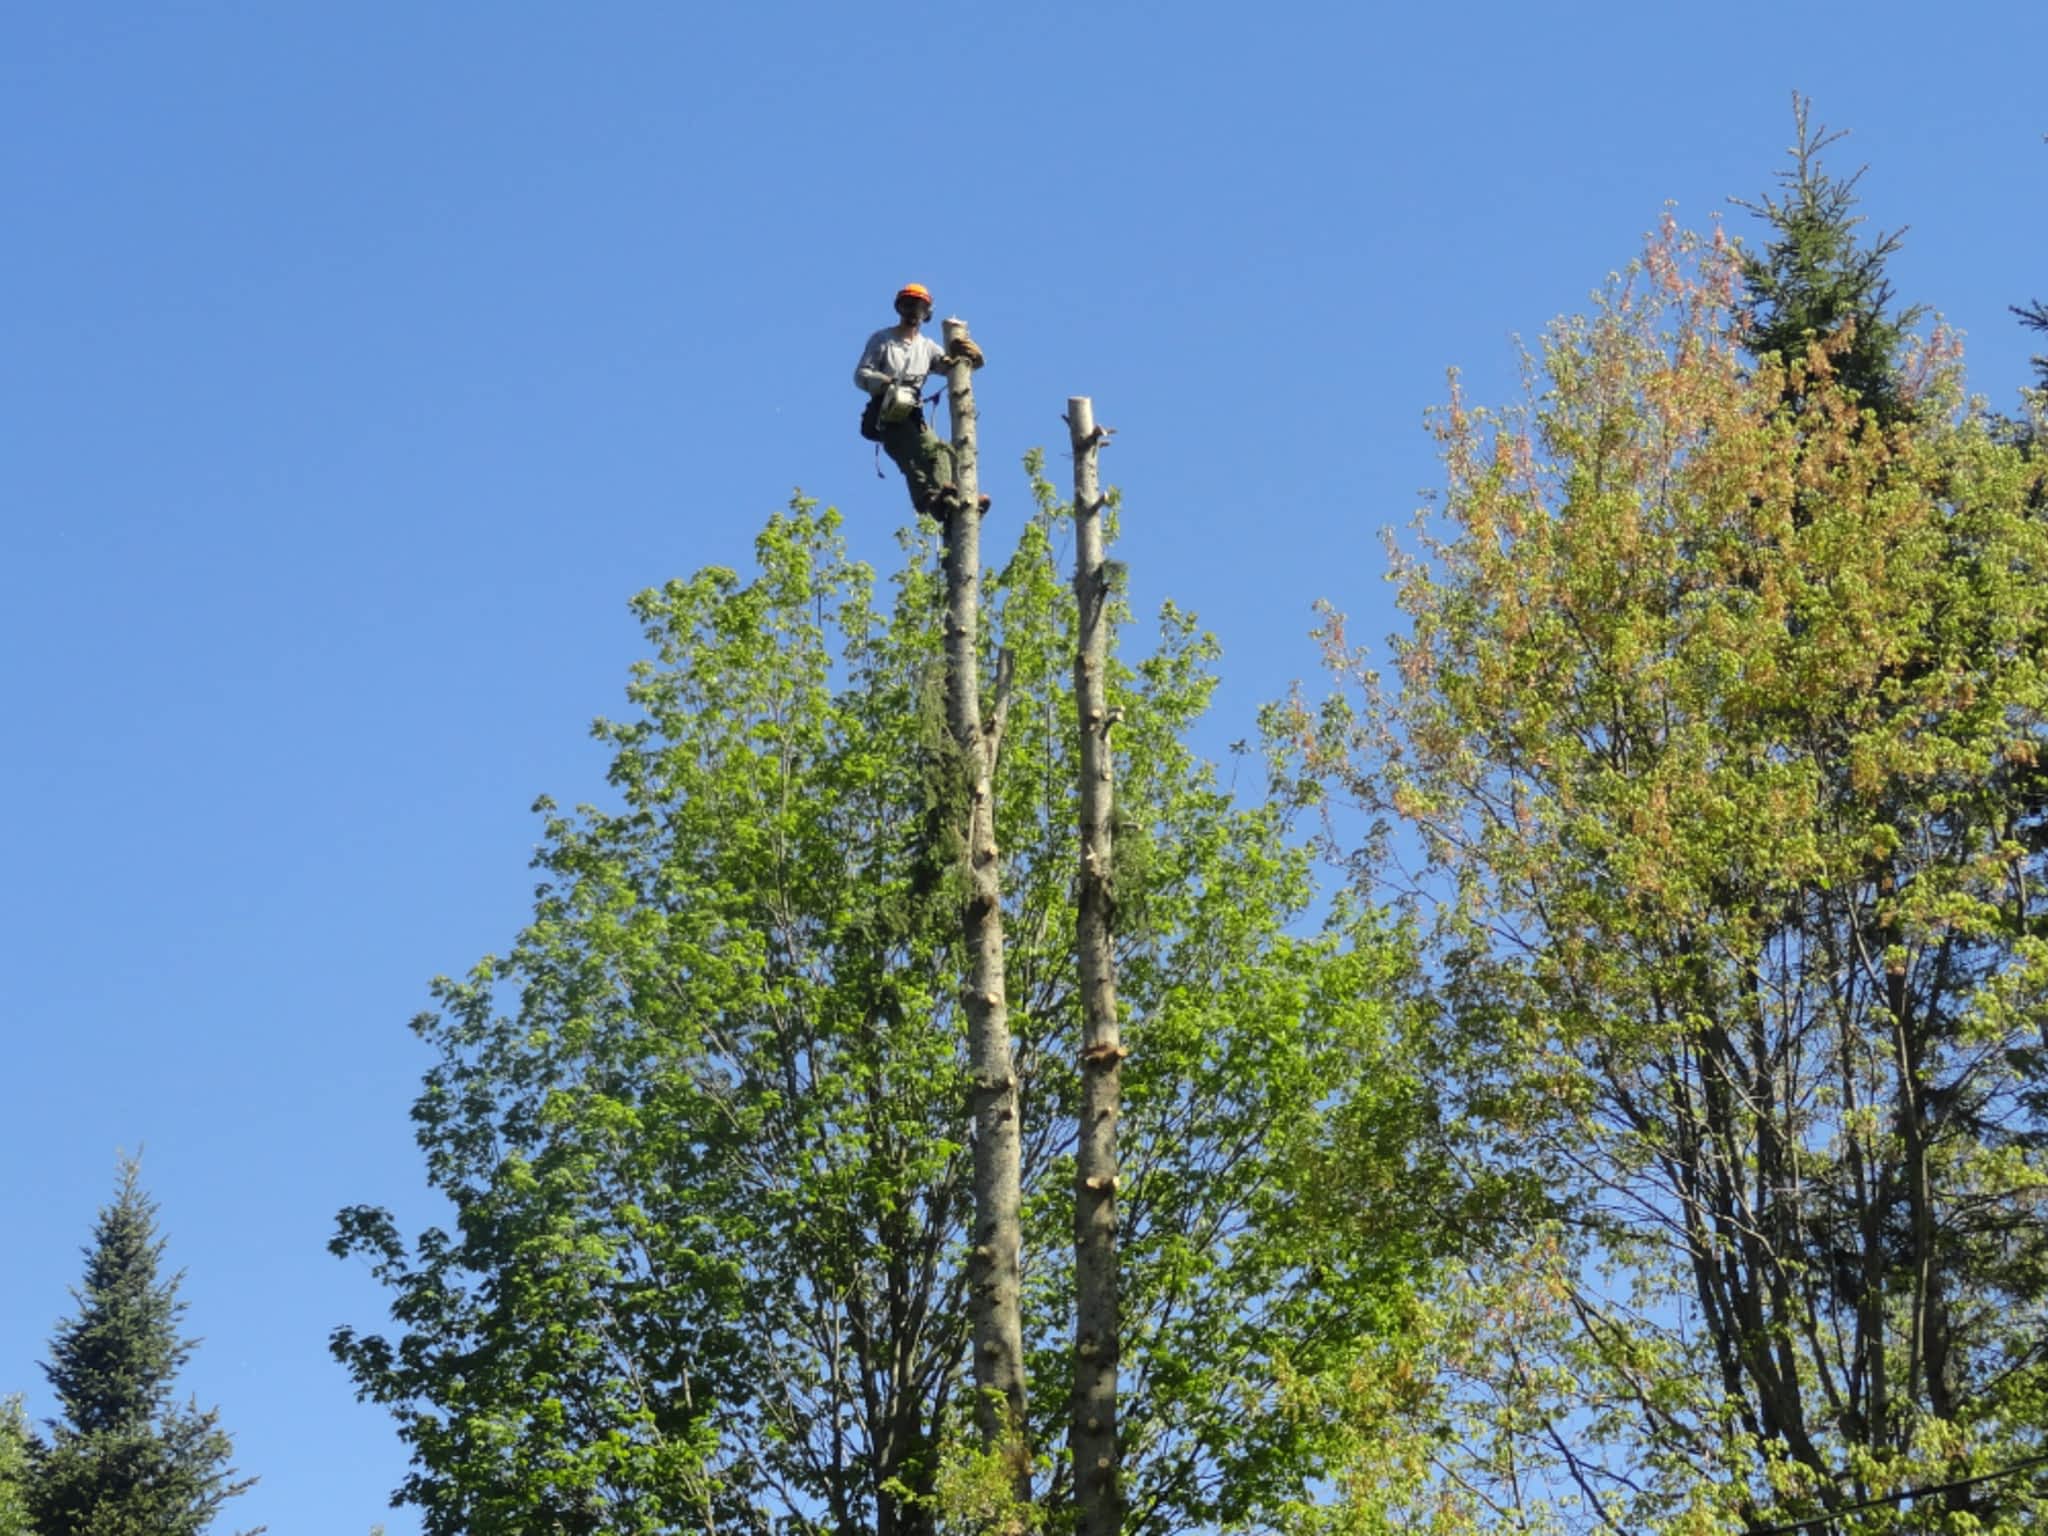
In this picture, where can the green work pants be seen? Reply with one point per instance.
(915, 449)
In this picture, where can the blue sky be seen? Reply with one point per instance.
(357, 362)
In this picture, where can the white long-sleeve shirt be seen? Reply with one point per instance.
(890, 355)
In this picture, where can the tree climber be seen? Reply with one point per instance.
(892, 370)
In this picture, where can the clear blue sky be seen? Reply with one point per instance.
(357, 361)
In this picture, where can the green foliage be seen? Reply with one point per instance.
(974, 1494)
(17, 1455)
(702, 1128)
(1816, 281)
(125, 1459)
(1723, 731)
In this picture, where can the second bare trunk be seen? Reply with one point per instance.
(1093, 1434)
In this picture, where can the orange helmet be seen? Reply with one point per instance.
(915, 293)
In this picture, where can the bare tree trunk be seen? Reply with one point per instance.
(1093, 1436)
(994, 1268)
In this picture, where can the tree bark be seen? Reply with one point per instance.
(994, 1264)
(1093, 1435)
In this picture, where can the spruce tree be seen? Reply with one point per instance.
(1815, 280)
(2034, 317)
(125, 1459)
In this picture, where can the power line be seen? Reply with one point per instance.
(1900, 1498)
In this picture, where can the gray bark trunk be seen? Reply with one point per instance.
(994, 1264)
(1093, 1435)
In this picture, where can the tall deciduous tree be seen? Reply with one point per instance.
(1743, 825)
(702, 1126)
(17, 1449)
(125, 1459)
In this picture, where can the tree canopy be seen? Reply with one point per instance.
(1722, 730)
(701, 1127)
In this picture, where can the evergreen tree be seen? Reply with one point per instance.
(125, 1460)
(2034, 317)
(1814, 281)
(2028, 430)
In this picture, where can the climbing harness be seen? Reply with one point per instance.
(897, 401)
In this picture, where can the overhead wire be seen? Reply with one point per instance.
(1927, 1491)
